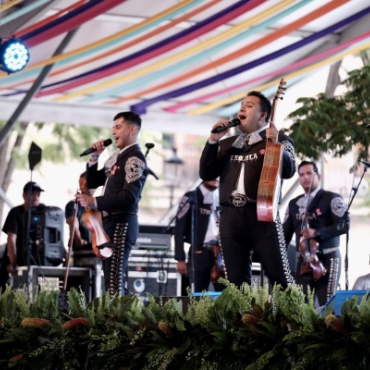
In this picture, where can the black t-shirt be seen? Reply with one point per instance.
(16, 223)
(84, 231)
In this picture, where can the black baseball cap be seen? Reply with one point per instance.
(33, 186)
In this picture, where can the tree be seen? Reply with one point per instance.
(334, 124)
(59, 142)
(64, 143)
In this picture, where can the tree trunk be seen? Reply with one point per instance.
(6, 170)
(365, 57)
(333, 79)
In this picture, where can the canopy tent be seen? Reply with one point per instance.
(181, 64)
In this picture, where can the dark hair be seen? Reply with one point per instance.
(129, 116)
(307, 163)
(83, 175)
(265, 103)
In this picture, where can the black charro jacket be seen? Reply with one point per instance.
(222, 159)
(124, 184)
(326, 213)
(184, 218)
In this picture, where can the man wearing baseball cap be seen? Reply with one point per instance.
(34, 186)
(15, 227)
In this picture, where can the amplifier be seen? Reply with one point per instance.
(52, 278)
(154, 272)
(153, 237)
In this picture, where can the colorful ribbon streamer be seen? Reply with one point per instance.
(26, 9)
(277, 72)
(152, 51)
(105, 42)
(330, 56)
(252, 29)
(69, 21)
(141, 107)
(49, 19)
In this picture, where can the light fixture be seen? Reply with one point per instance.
(172, 164)
(14, 55)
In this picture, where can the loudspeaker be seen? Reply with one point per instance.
(46, 233)
(153, 272)
(336, 301)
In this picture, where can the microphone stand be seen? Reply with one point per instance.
(148, 147)
(345, 222)
(29, 242)
(34, 157)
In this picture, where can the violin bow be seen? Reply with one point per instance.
(70, 244)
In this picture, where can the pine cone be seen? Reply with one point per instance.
(165, 327)
(336, 323)
(33, 323)
(17, 357)
(72, 324)
(249, 319)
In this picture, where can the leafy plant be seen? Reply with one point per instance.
(334, 125)
(242, 329)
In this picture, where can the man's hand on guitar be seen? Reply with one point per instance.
(272, 133)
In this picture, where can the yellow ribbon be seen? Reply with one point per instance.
(8, 4)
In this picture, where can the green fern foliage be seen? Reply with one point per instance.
(244, 328)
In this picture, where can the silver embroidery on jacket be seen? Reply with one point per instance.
(338, 206)
(333, 277)
(134, 169)
(116, 270)
(282, 246)
(289, 148)
(183, 207)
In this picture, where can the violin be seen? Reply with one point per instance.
(101, 243)
(218, 268)
(311, 264)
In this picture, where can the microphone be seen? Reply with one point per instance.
(367, 164)
(92, 150)
(234, 122)
(149, 145)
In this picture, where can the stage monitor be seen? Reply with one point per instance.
(336, 300)
(154, 237)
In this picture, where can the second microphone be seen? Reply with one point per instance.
(234, 122)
